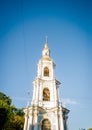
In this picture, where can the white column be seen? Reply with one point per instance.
(34, 93)
(37, 91)
(30, 121)
(57, 127)
(55, 93)
(35, 122)
(61, 120)
(26, 121)
(40, 92)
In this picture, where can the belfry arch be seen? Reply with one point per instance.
(46, 94)
(46, 125)
(46, 71)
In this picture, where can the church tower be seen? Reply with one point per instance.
(46, 111)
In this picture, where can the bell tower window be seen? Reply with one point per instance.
(46, 94)
(46, 125)
(46, 71)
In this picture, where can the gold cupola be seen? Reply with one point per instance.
(46, 51)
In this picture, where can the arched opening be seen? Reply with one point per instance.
(46, 71)
(46, 125)
(46, 94)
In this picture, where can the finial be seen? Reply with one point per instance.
(46, 39)
(46, 46)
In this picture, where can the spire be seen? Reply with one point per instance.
(46, 51)
(46, 44)
(46, 39)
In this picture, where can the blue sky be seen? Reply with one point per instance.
(68, 25)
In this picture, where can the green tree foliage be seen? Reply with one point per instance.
(90, 129)
(5, 99)
(11, 118)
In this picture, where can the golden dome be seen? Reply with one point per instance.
(46, 58)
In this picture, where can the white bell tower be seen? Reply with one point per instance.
(46, 111)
